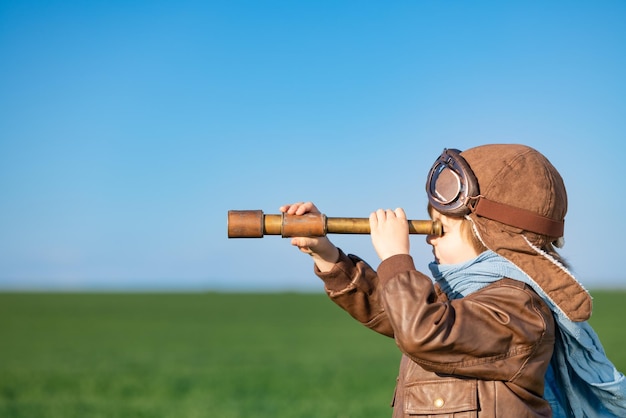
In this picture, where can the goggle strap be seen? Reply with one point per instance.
(519, 218)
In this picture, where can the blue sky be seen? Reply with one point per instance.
(129, 129)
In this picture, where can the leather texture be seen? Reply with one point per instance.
(484, 355)
(520, 176)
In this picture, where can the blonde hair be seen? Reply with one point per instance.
(467, 229)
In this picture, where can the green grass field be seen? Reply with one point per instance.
(206, 355)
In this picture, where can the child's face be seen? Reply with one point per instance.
(452, 247)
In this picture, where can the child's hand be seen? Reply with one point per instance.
(390, 232)
(324, 252)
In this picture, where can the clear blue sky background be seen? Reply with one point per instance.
(128, 129)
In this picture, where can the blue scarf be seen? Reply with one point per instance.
(580, 380)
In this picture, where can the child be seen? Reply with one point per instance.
(502, 331)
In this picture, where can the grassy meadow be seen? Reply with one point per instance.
(206, 355)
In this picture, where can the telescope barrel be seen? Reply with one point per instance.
(255, 224)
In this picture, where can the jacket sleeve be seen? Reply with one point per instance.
(494, 333)
(354, 286)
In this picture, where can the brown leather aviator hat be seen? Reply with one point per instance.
(517, 202)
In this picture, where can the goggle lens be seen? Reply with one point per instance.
(450, 183)
(446, 185)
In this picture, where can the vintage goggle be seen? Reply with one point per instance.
(451, 183)
(453, 190)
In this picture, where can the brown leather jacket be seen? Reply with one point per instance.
(484, 355)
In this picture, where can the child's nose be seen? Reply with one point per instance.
(430, 238)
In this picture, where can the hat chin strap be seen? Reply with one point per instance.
(516, 217)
